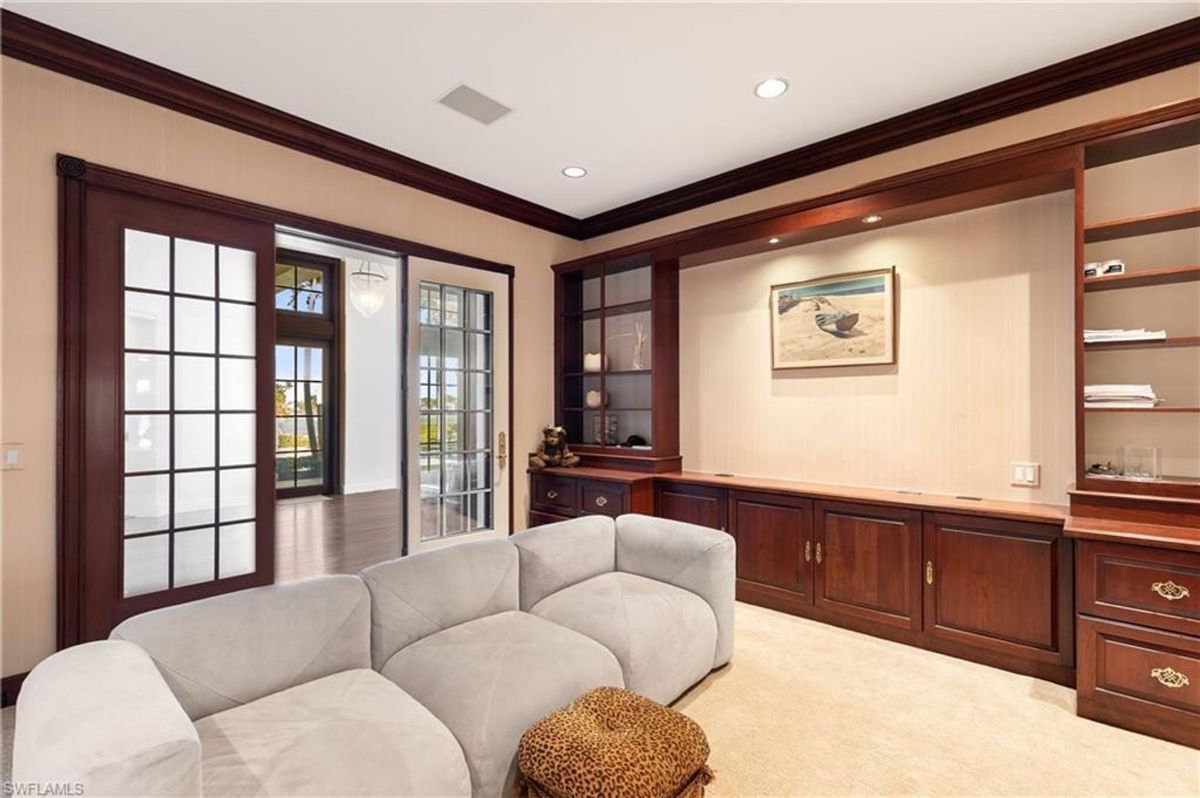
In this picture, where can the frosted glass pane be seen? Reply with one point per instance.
(147, 382)
(195, 440)
(147, 260)
(237, 274)
(237, 329)
(195, 267)
(195, 325)
(146, 565)
(147, 503)
(147, 447)
(195, 556)
(237, 384)
(237, 550)
(147, 321)
(195, 383)
(237, 494)
(237, 439)
(195, 498)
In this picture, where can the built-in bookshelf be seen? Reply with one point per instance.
(617, 361)
(1139, 203)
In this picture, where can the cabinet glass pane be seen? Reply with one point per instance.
(237, 274)
(622, 288)
(627, 343)
(195, 440)
(147, 260)
(195, 498)
(237, 439)
(237, 494)
(147, 443)
(237, 329)
(147, 503)
(237, 550)
(195, 383)
(147, 382)
(195, 325)
(195, 267)
(195, 556)
(147, 321)
(591, 293)
(146, 566)
(237, 384)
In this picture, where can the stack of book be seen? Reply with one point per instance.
(1110, 336)
(1119, 396)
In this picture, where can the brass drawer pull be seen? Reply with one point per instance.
(808, 551)
(601, 501)
(1169, 677)
(929, 572)
(819, 555)
(551, 495)
(1170, 591)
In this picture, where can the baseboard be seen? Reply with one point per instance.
(10, 686)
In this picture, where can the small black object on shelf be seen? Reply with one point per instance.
(635, 440)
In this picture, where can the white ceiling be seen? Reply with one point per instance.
(647, 97)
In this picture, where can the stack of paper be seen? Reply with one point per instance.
(1105, 336)
(1119, 396)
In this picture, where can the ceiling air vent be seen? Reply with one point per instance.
(478, 106)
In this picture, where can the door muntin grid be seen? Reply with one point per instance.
(455, 408)
(300, 414)
(189, 456)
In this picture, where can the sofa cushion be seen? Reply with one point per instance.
(662, 635)
(554, 556)
(415, 596)
(228, 650)
(488, 680)
(352, 733)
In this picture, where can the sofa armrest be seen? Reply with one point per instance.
(101, 717)
(692, 557)
(555, 556)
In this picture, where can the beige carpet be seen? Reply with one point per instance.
(808, 709)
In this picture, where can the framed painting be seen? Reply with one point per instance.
(840, 320)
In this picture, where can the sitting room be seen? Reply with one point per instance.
(574, 400)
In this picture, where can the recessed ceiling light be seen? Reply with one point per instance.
(873, 218)
(770, 88)
(574, 171)
(773, 241)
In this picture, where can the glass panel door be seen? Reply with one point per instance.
(300, 415)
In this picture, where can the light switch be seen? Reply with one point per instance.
(1026, 475)
(14, 455)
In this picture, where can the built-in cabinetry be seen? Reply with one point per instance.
(989, 582)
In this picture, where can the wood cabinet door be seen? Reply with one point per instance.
(774, 541)
(1000, 585)
(867, 563)
(693, 504)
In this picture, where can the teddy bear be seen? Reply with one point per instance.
(553, 450)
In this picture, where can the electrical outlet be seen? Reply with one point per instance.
(12, 457)
(1026, 475)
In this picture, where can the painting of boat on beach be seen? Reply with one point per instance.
(841, 320)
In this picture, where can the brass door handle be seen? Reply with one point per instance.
(502, 450)
(820, 556)
(1170, 591)
(929, 572)
(1169, 677)
(601, 501)
(808, 551)
(551, 495)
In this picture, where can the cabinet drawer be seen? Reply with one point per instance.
(1148, 680)
(557, 492)
(603, 498)
(1153, 587)
(538, 519)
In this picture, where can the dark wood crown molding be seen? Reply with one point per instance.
(36, 43)
(42, 45)
(1158, 51)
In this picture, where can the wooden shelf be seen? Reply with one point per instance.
(1179, 274)
(1180, 409)
(1168, 343)
(610, 409)
(608, 373)
(1142, 225)
(642, 306)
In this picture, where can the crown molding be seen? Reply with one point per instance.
(42, 45)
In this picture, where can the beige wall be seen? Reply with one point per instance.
(984, 373)
(45, 113)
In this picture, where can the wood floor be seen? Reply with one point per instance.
(335, 534)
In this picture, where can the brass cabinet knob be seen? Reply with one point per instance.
(819, 555)
(808, 551)
(1169, 677)
(929, 572)
(551, 495)
(1170, 591)
(601, 501)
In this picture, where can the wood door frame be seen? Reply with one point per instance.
(77, 178)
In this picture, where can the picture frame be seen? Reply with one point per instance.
(846, 319)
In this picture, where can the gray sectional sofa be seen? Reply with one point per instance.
(417, 677)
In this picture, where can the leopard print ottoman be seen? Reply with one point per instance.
(610, 743)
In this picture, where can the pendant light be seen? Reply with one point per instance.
(368, 287)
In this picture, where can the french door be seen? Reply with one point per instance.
(458, 404)
(171, 431)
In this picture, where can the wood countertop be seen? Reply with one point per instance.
(1020, 511)
(1135, 533)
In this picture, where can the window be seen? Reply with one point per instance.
(300, 289)
(299, 416)
(455, 424)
